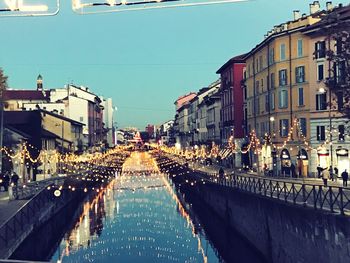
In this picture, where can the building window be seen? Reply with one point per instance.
(283, 52)
(340, 72)
(301, 96)
(341, 130)
(300, 48)
(284, 127)
(320, 72)
(300, 74)
(283, 99)
(321, 101)
(320, 49)
(261, 63)
(272, 101)
(272, 79)
(302, 126)
(282, 77)
(271, 56)
(267, 102)
(321, 133)
(256, 87)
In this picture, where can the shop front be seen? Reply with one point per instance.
(303, 163)
(343, 162)
(266, 158)
(286, 163)
(323, 157)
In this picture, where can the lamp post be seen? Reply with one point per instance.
(1, 130)
(114, 126)
(62, 141)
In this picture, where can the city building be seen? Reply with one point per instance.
(165, 133)
(329, 140)
(73, 102)
(283, 95)
(213, 107)
(181, 127)
(151, 130)
(108, 120)
(233, 110)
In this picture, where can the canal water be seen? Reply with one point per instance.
(141, 217)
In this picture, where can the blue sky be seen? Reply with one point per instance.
(144, 59)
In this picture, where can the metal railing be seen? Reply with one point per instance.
(15, 229)
(327, 198)
(30, 189)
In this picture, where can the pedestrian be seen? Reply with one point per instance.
(14, 179)
(292, 167)
(6, 181)
(336, 173)
(345, 177)
(325, 176)
(331, 174)
(319, 170)
(221, 174)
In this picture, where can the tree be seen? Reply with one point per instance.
(338, 56)
(3, 83)
(3, 87)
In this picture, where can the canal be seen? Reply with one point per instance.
(139, 217)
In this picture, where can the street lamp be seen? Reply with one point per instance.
(322, 90)
(62, 139)
(114, 126)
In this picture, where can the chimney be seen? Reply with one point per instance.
(315, 7)
(296, 14)
(329, 6)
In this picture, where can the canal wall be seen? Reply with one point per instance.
(39, 210)
(281, 232)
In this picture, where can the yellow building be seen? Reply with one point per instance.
(68, 131)
(280, 88)
(330, 144)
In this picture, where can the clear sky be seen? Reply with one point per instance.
(143, 60)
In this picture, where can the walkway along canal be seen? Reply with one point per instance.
(139, 217)
(286, 222)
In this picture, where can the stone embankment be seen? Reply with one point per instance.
(281, 231)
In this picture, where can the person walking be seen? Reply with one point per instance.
(221, 174)
(325, 176)
(319, 170)
(14, 179)
(331, 174)
(345, 177)
(336, 173)
(6, 181)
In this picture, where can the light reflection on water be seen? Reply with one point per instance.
(136, 219)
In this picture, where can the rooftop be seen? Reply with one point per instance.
(27, 95)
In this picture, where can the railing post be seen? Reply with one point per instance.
(341, 200)
(330, 198)
(304, 194)
(271, 190)
(285, 191)
(315, 196)
(294, 199)
(320, 191)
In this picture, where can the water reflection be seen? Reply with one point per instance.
(139, 217)
(136, 219)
